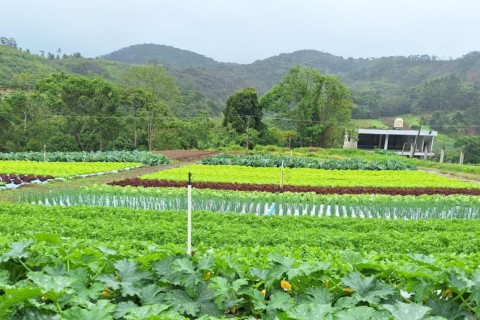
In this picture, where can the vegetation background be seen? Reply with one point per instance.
(155, 97)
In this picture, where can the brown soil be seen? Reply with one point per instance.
(185, 155)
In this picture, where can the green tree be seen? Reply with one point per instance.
(161, 95)
(471, 147)
(243, 115)
(318, 107)
(155, 80)
(89, 105)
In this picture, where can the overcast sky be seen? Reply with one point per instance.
(243, 31)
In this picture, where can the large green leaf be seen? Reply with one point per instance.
(367, 289)
(84, 289)
(312, 311)
(410, 311)
(189, 277)
(17, 251)
(48, 283)
(127, 279)
(183, 303)
(14, 296)
(103, 310)
(448, 309)
(357, 313)
(319, 295)
(151, 294)
(146, 312)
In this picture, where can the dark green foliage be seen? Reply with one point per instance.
(299, 162)
(471, 147)
(318, 107)
(112, 156)
(243, 115)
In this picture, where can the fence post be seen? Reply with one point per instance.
(462, 155)
(442, 155)
(281, 178)
(189, 215)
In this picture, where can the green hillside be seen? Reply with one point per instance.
(159, 54)
(385, 86)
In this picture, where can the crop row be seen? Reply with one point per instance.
(301, 162)
(309, 177)
(217, 230)
(108, 156)
(150, 183)
(56, 277)
(264, 203)
(62, 169)
(22, 178)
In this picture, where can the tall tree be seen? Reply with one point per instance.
(243, 114)
(318, 107)
(160, 93)
(88, 104)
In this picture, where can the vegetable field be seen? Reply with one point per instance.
(343, 243)
(310, 177)
(61, 169)
(264, 203)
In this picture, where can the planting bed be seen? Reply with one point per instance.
(309, 177)
(11, 180)
(62, 169)
(398, 258)
(244, 266)
(150, 183)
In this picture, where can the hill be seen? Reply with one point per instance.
(384, 86)
(159, 54)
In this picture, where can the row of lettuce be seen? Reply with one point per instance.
(298, 236)
(308, 177)
(106, 263)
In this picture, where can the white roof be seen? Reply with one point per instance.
(430, 133)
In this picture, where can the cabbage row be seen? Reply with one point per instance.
(300, 162)
(144, 157)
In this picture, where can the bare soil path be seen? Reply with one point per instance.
(463, 177)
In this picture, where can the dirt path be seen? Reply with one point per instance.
(179, 158)
(451, 176)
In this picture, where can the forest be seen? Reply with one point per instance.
(152, 97)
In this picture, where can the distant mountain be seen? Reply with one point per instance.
(389, 80)
(159, 54)
(384, 86)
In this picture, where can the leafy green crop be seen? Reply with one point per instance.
(47, 278)
(109, 156)
(62, 169)
(303, 235)
(264, 203)
(300, 162)
(309, 177)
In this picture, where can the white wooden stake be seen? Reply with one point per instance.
(281, 177)
(189, 216)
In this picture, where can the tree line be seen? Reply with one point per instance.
(146, 110)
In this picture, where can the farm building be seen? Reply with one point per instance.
(397, 139)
